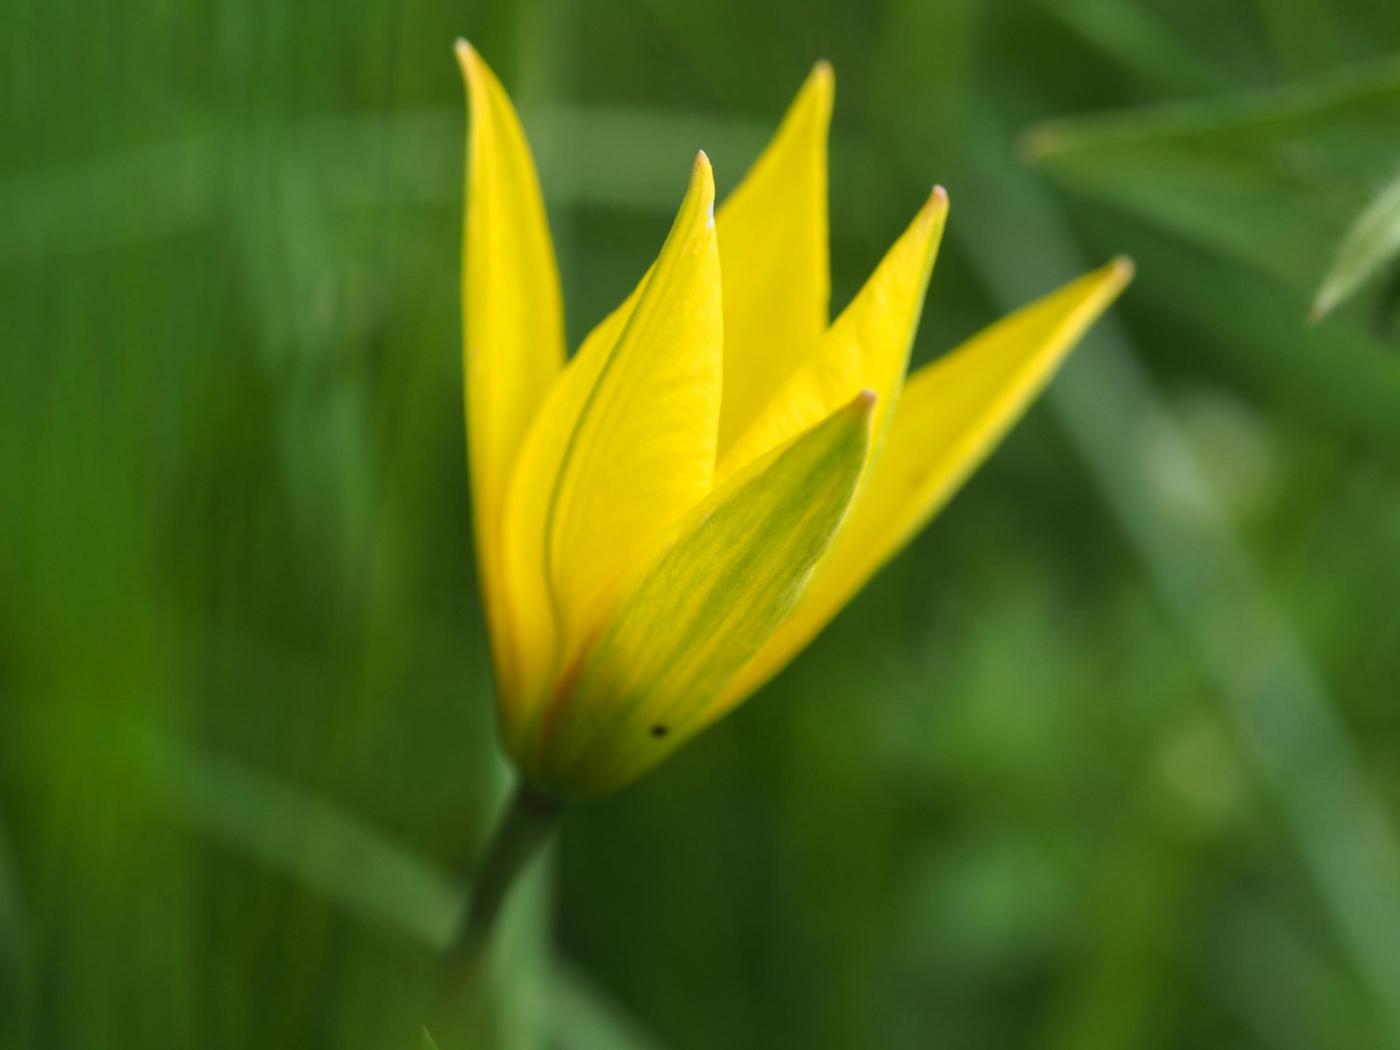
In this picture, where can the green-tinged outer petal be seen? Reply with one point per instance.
(513, 327)
(952, 414)
(773, 249)
(700, 612)
(866, 349)
(624, 447)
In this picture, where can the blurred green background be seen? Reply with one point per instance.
(1110, 758)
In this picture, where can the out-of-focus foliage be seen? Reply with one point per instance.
(1109, 758)
(1371, 243)
(1266, 179)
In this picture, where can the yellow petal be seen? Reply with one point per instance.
(952, 414)
(773, 250)
(866, 349)
(623, 448)
(700, 612)
(533, 625)
(513, 329)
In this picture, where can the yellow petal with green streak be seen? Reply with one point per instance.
(952, 414)
(623, 448)
(700, 612)
(513, 328)
(866, 349)
(773, 249)
(531, 607)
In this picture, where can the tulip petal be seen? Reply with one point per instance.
(953, 413)
(534, 626)
(866, 349)
(513, 327)
(623, 448)
(773, 250)
(700, 611)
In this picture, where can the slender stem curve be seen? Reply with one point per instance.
(523, 830)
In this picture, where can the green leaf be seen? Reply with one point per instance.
(428, 1041)
(1372, 241)
(1268, 179)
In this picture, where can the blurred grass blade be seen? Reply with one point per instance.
(1372, 241)
(313, 841)
(1255, 951)
(586, 1017)
(180, 186)
(428, 1042)
(1138, 39)
(360, 869)
(1268, 179)
(1303, 34)
(78, 207)
(1265, 679)
(1338, 377)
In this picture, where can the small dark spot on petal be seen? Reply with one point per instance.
(658, 731)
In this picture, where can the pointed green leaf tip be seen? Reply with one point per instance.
(702, 609)
(428, 1043)
(1372, 241)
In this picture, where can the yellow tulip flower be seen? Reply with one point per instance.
(664, 519)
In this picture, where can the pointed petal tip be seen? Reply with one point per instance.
(937, 203)
(818, 92)
(934, 212)
(702, 180)
(1122, 269)
(466, 54)
(476, 74)
(865, 400)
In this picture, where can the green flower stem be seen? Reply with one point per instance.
(528, 822)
